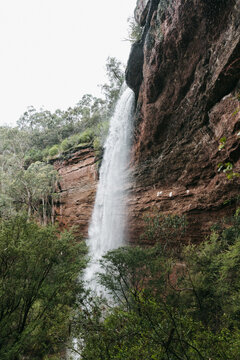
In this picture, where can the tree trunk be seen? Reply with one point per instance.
(44, 212)
(52, 211)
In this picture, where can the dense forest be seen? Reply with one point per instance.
(163, 299)
(171, 303)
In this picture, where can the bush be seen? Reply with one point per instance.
(77, 139)
(33, 155)
(86, 137)
(134, 30)
(54, 150)
(96, 144)
(66, 144)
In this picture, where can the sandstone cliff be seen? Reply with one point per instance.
(76, 189)
(187, 100)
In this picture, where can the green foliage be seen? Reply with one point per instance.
(227, 167)
(91, 136)
(86, 137)
(44, 130)
(164, 308)
(167, 229)
(222, 143)
(96, 144)
(100, 135)
(134, 30)
(54, 150)
(111, 90)
(66, 144)
(30, 189)
(27, 182)
(38, 286)
(126, 269)
(70, 143)
(214, 271)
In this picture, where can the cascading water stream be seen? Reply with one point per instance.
(107, 229)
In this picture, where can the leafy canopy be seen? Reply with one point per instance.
(39, 271)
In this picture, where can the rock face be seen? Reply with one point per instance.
(187, 101)
(134, 74)
(134, 70)
(185, 72)
(76, 189)
(141, 11)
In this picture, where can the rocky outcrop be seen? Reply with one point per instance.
(77, 184)
(134, 74)
(141, 11)
(188, 100)
(134, 69)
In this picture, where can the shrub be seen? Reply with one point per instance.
(77, 139)
(86, 136)
(96, 144)
(54, 150)
(33, 155)
(134, 30)
(66, 144)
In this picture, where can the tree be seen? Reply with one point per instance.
(30, 189)
(111, 90)
(39, 271)
(180, 308)
(134, 30)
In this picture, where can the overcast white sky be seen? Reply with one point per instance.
(54, 51)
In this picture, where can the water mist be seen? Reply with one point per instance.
(107, 228)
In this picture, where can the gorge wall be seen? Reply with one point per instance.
(185, 72)
(187, 101)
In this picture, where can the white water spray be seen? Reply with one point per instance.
(107, 229)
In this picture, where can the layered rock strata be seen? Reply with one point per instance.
(187, 101)
(77, 184)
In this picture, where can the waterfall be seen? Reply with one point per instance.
(107, 229)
